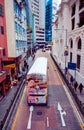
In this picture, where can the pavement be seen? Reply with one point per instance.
(77, 91)
(6, 102)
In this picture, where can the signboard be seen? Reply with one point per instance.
(10, 66)
(71, 66)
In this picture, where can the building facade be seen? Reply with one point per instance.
(48, 21)
(3, 46)
(70, 33)
(37, 9)
(13, 39)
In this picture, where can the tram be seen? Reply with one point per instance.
(37, 87)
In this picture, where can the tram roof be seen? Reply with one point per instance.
(39, 66)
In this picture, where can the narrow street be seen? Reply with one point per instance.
(57, 115)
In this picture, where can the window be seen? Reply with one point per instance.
(1, 10)
(73, 23)
(73, 10)
(81, 18)
(71, 44)
(4, 52)
(81, 4)
(78, 61)
(79, 44)
(2, 30)
(70, 56)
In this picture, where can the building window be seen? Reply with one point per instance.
(79, 44)
(81, 4)
(81, 18)
(78, 61)
(4, 52)
(1, 10)
(1, 30)
(70, 56)
(71, 45)
(73, 9)
(73, 23)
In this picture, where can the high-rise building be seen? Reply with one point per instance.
(13, 40)
(3, 46)
(37, 8)
(48, 21)
(16, 33)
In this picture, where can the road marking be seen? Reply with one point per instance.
(47, 122)
(61, 114)
(18, 110)
(30, 117)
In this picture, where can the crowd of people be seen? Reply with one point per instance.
(76, 85)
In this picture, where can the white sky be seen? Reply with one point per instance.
(57, 1)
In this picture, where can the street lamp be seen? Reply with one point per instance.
(66, 48)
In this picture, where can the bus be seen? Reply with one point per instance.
(37, 82)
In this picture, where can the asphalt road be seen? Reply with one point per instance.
(59, 114)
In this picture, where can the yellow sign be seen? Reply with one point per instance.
(10, 66)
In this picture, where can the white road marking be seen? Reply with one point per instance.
(30, 117)
(61, 114)
(47, 122)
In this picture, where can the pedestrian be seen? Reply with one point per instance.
(75, 85)
(71, 80)
(81, 88)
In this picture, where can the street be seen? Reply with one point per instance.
(59, 114)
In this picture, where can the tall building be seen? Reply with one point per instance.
(48, 21)
(16, 34)
(3, 46)
(13, 39)
(37, 8)
(70, 33)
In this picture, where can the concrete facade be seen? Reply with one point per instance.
(70, 18)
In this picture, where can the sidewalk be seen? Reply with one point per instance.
(6, 102)
(80, 95)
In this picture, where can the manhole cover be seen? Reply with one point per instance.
(39, 113)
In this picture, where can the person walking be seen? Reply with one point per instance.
(75, 85)
(71, 80)
(81, 88)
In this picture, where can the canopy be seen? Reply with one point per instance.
(39, 66)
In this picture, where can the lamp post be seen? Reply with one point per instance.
(66, 48)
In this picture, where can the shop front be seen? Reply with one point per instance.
(2, 83)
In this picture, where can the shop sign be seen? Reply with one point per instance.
(10, 66)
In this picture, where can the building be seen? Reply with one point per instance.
(37, 8)
(16, 35)
(70, 33)
(13, 40)
(3, 46)
(48, 21)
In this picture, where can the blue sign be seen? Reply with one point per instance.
(71, 66)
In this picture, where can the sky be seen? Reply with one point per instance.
(57, 1)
